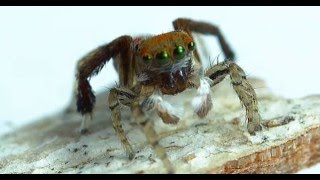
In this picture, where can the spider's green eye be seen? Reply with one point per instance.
(179, 52)
(191, 46)
(162, 58)
(147, 59)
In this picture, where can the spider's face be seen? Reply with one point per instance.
(165, 60)
(166, 51)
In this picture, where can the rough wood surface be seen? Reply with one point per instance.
(216, 144)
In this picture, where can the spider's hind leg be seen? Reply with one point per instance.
(243, 89)
(190, 26)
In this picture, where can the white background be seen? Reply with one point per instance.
(39, 47)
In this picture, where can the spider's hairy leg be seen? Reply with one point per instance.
(247, 96)
(125, 97)
(153, 140)
(149, 103)
(243, 89)
(85, 123)
(190, 26)
(90, 65)
(85, 103)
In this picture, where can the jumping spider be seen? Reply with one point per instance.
(166, 64)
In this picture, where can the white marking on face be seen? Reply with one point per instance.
(167, 69)
(171, 68)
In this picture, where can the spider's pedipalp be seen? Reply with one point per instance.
(202, 103)
(168, 113)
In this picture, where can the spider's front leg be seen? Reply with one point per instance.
(243, 89)
(153, 140)
(125, 97)
(129, 98)
(89, 66)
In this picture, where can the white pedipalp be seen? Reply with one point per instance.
(202, 103)
(156, 102)
(165, 106)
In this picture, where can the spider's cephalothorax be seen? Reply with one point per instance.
(165, 61)
(151, 66)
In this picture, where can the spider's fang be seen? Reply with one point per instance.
(172, 80)
(183, 75)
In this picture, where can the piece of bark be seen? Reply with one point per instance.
(218, 143)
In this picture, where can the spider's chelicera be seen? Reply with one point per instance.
(152, 66)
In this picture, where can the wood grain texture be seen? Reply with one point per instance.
(288, 157)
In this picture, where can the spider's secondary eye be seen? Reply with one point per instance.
(179, 52)
(147, 59)
(191, 46)
(162, 58)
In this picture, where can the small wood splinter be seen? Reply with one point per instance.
(278, 121)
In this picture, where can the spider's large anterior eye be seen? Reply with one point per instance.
(179, 52)
(147, 59)
(191, 46)
(162, 58)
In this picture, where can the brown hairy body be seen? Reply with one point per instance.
(166, 64)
